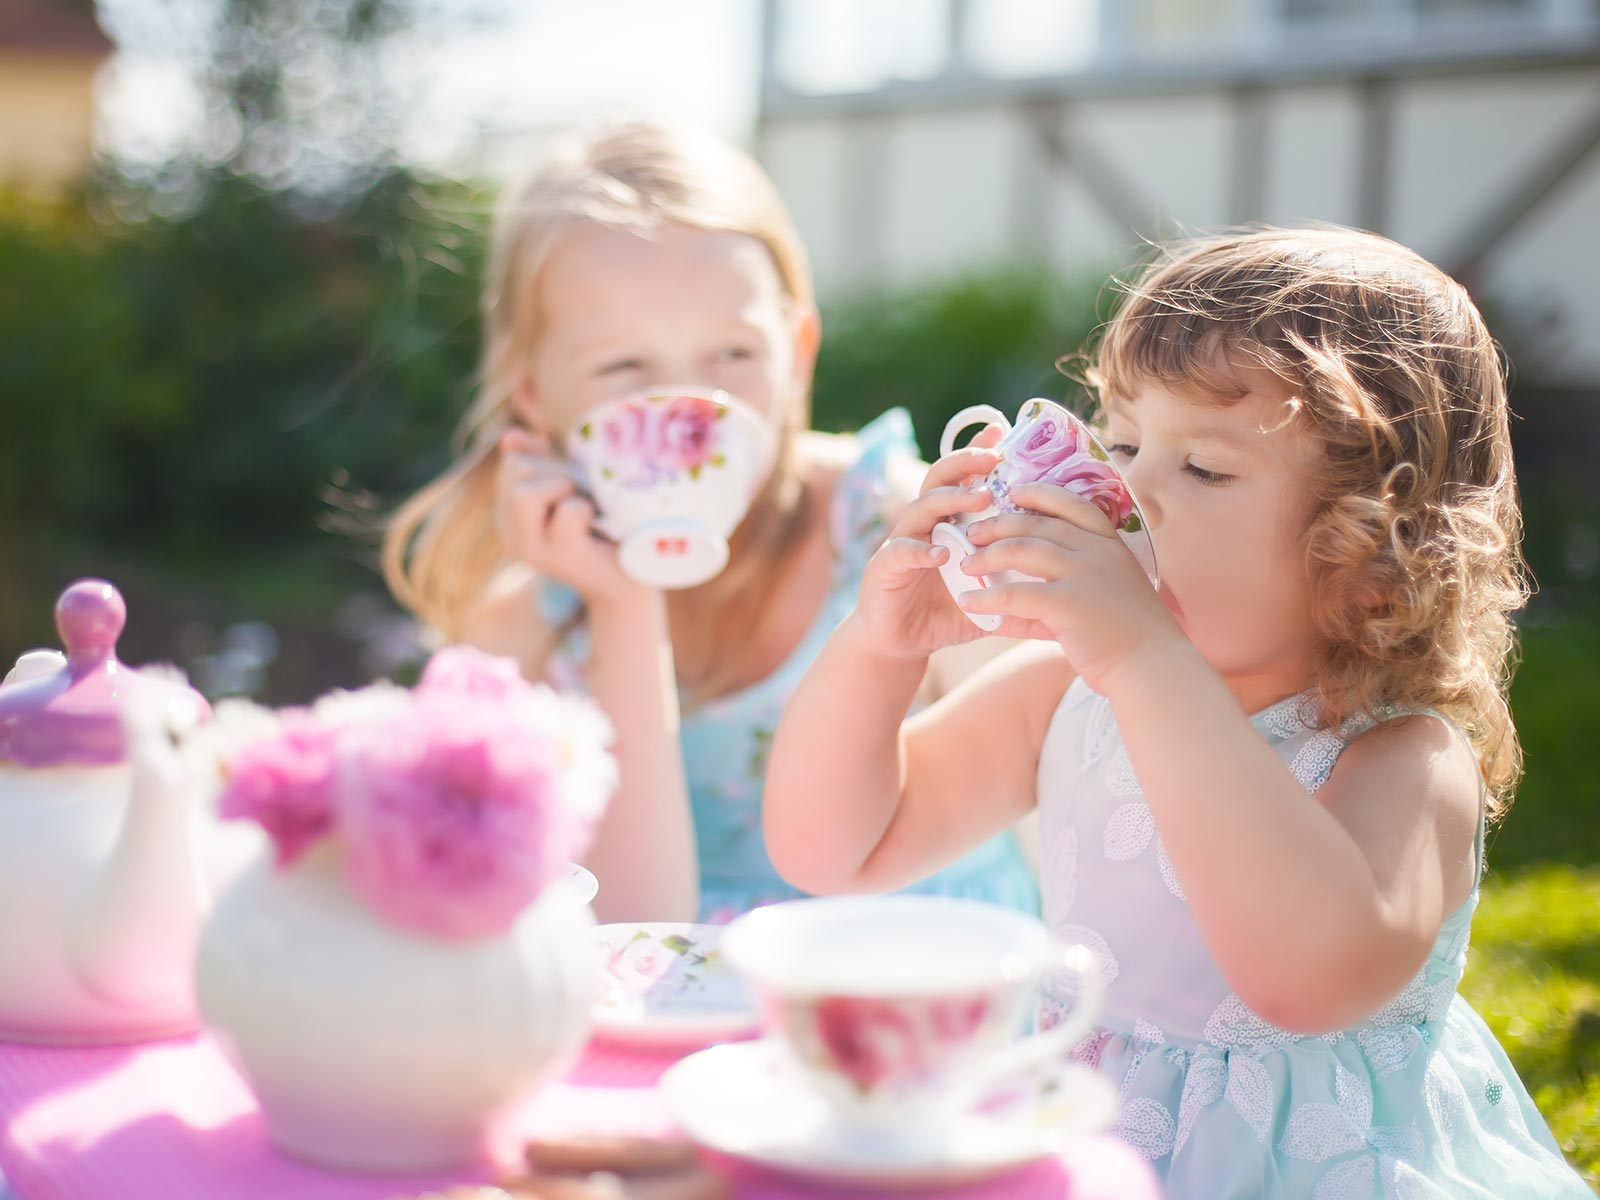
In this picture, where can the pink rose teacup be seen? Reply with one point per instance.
(672, 474)
(1046, 445)
(900, 1011)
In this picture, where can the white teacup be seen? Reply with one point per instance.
(1046, 445)
(900, 1010)
(672, 473)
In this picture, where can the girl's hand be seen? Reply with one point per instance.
(546, 523)
(1092, 598)
(904, 605)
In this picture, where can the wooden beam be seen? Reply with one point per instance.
(1078, 155)
(1533, 188)
(1247, 179)
(1375, 150)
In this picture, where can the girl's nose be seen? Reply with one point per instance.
(1146, 494)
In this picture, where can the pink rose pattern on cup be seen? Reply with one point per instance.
(887, 1044)
(659, 437)
(1052, 448)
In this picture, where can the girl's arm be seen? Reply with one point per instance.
(644, 852)
(859, 799)
(644, 849)
(1317, 908)
(855, 801)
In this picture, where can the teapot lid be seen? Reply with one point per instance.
(57, 711)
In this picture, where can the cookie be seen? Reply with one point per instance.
(628, 1156)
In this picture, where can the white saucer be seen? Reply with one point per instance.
(667, 984)
(745, 1100)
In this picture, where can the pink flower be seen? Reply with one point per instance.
(466, 671)
(1046, 439)
(639, 963)
(870, 1041)
(284, 782)
(894, 1042)
(1095, 481)
(450, 819)
(687, 432)
(457, 803)
(628, 431)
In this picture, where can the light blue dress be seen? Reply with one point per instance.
(725, 742)
(1417, 1101)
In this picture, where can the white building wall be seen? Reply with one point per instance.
(943, 189)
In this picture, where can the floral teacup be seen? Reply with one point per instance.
(672, 474)
(899, 1010)
(1046, 445)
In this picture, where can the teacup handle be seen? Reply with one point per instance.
(1028, 1054)
(976, 414)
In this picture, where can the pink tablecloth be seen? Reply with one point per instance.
(173, 1121)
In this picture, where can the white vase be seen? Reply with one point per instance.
(371, 1048)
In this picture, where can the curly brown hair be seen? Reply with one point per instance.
(1413, 534)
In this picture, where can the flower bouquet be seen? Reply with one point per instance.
(409, 962)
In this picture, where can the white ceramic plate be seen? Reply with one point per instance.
(745, 1100)
(667, 984)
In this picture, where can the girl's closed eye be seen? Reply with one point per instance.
(735, 354)
(1209, 478)
(1122, 448)
(618, 365)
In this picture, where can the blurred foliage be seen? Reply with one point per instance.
(1534, 967)
(989, 337)
(192, 386)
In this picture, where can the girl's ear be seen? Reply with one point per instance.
(525, 410)
(807, 338)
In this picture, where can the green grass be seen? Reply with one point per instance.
(1534, 968)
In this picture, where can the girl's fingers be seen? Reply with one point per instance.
(572, 520)
(1017, 602)
(518, 440)
(1006, 526)
(927, 510)
(905, 555)
(1039, 557)
(535, 491)
(1055, 501)
(987, 437)
(958, 465)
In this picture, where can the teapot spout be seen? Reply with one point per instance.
(133, 938)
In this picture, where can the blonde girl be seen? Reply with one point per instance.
(638, 259)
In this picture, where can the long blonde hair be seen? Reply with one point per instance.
(441, 550)
(1413, 535)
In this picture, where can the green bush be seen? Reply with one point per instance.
(192, 386)
(981, 338)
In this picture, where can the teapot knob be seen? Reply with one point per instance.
(90, 616)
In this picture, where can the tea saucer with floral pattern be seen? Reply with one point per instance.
(667, 984)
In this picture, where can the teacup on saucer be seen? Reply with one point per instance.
(672, 474)
(748, 1100)
(1046, 445)
(898, 1011)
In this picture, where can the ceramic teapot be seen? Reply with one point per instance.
(105, 873)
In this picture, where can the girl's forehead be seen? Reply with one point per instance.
(605, 278)
(1263, 410)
